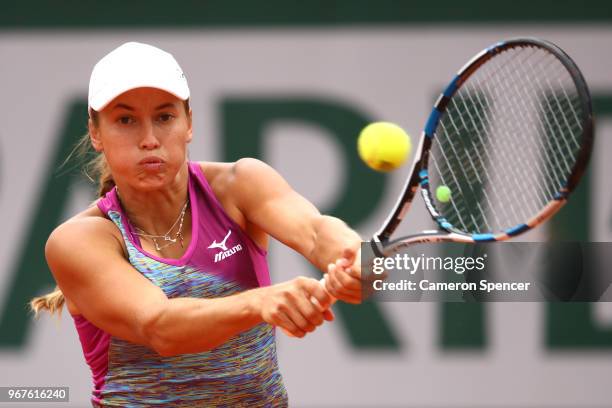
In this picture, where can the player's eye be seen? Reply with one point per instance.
(165, 117)
(125, 120)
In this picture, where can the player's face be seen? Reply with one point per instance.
(144, 135)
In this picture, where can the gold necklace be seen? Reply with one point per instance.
(167, 236)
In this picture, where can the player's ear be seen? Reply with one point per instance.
(189, 124)
(94, 135)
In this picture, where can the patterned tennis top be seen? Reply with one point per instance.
(221, 260)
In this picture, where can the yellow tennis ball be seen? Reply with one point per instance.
(443, 194)
(383, 146)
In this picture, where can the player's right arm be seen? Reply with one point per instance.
(87, 260)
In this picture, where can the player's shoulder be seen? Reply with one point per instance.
(247, 164)
(214, 170)
(84, 230)
(225, 174)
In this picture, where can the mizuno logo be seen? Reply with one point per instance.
(222, 245)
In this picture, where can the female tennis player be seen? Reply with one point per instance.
(166, 275)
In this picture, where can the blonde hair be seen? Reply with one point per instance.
(95, 168)
(51, 302)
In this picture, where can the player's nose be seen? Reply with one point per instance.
(148, 138)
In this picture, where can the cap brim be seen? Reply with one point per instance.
(105, 97)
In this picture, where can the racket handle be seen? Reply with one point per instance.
(315, 302)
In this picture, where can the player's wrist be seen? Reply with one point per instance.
(254, 302)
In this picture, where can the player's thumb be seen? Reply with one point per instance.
(348, 256)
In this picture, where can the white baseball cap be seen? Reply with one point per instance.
(135, 65)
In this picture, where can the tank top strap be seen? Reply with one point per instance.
(111, 207)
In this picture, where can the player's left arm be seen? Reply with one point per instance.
(268, 202)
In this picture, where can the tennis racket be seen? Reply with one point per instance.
(510, 136)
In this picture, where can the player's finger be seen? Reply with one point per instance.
(333, 286)
(320, 297)
(336, 289)
(350, 269)
(299, 320)
(310, 312)
(349, 255)
(344, 284)
(302, 311)
(329, 278)
(289, 327)
(347, 281)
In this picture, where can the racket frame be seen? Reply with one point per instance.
(382, 242)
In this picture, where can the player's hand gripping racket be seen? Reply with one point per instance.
(510, 137)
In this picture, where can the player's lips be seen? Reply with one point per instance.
(151, 163)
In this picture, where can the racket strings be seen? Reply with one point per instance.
(561, 150)
(488, 200)
(477, 171)
(528, 156)
(547, 187)
(478, 132)
(522, 166)
(560, 112)
(489, 159)
(508, 141)
(547, 101)
(475, 167)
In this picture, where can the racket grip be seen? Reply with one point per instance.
(315, 302)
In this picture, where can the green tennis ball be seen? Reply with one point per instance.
(383, 146)
(443, 194)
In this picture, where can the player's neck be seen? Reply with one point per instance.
(155, 211)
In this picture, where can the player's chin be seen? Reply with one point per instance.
(153, 180)
(151, 185)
